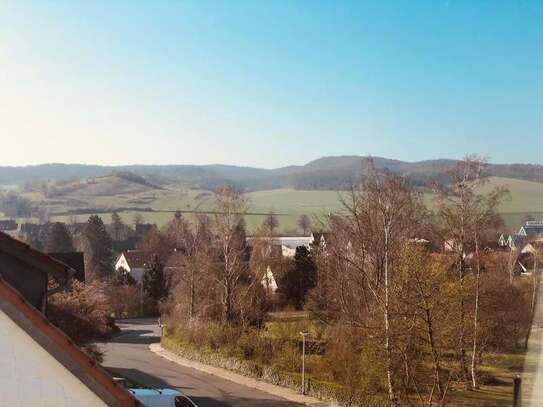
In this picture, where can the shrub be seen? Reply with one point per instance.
(83, 313)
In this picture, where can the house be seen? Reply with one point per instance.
(29, 271)
(40, 365)
(134, 262)
(8, 225)
(288, 244)
(531, 229)
(320, 239)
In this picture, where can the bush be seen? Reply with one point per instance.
(83, 313)
(125, 301)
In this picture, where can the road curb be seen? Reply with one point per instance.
(287, 394)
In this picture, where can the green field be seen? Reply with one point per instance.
(526, 199)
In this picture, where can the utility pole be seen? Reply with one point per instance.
(304, 334)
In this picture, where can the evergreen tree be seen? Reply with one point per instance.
(154, 281)
(58, 239)
(117, 226)
(97, 246)
(122, 277)
(298, 279)
(177, 232)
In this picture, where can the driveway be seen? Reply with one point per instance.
(128, 356)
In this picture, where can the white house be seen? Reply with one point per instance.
(40, 366)
(134, 262)
(288, 244)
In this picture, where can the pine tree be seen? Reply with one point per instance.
(122, 277)
(154, 281)
(59, 239)
(298, 279)
(97, 246)
(117, 226)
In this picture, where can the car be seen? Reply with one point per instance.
(153, 397)
(162, 397)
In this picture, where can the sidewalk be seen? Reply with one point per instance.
(287, 394)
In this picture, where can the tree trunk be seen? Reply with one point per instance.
(511, 266)
(435, 357)
(475, 318)
(192, 294)
(535, 290)
(388, 345)
(462, 342)
(461, 269)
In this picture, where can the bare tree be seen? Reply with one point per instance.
(177, 232)
(467, 214)
(270, 223)
(304, 223)
(117, 226)
(364, 254)
(423, 295)
(229, 208)
(194, 264)
(137, 219)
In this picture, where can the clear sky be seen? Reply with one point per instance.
(269, 83)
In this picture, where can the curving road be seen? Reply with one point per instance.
(128, 356)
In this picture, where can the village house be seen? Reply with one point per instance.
(531, 230)
(288, 244)
(9, 227)
(285, 246)
(134, 262)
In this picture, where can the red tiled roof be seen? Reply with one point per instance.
(61, 347)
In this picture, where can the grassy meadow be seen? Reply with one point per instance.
(105, 194)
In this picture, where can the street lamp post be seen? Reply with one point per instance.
(304, 334)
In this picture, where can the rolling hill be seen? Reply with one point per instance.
(327, 173)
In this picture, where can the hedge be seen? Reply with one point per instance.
(332, 392)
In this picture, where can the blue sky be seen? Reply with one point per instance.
(269, 83)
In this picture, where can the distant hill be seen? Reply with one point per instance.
(327, 173)
(118, 182)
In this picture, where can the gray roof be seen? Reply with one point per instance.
(532, 228)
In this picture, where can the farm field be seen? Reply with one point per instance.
(157, 205)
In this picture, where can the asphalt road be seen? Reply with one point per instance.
(128, 356)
